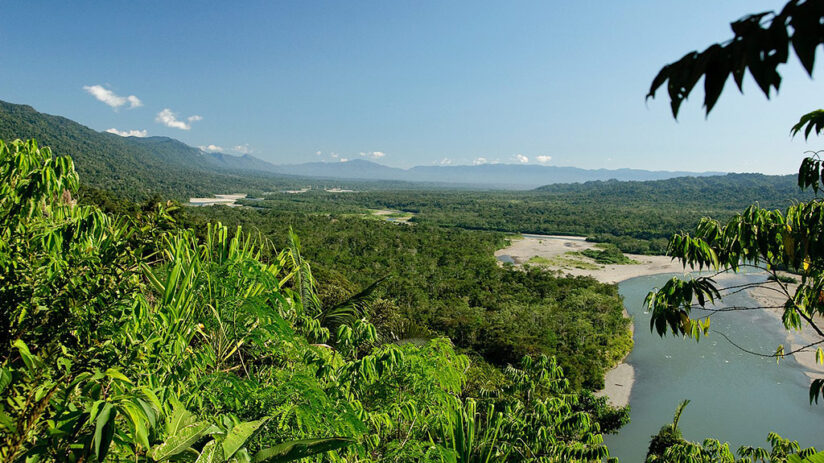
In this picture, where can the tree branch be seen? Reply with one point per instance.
(759, 354)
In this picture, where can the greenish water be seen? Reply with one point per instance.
(505, 259)
(736, 397)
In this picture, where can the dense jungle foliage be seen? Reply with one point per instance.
(132, 338)
(445, 281)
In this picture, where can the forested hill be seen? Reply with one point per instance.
(133, 167)
(735, 191)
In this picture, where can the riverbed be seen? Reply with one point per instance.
(562, 254)
(735, 396)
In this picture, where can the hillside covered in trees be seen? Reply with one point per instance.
(637, 216)
(132, 167)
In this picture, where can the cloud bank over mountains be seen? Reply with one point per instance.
(128, 133)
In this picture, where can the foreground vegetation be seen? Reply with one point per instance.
(132, 338)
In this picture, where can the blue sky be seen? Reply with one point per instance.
(405, 83)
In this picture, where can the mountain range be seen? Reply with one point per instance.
(499, 176)
(139, 167)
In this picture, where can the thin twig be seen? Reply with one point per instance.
(759, 354)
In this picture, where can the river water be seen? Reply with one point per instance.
(735, 397)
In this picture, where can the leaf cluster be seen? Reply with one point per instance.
(761, 43)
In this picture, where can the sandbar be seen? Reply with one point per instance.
(619, 380)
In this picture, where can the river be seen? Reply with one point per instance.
(735, 397)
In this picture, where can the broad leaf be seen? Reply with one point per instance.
(104, 431)
(180, 418)
(181, 441)
(211, 453)
(237, 437)
(294, 450)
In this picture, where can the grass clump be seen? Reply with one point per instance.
(568, 260)
(607, 254)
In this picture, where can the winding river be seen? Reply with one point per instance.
(735, 397)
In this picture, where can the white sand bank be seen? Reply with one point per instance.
(224, 200)
(618, 384)
(771, 295)
(553, 247)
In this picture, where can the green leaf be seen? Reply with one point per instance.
(6, 423)
(237, 437)
(153, 280)
(104, 431)
(294, 450)
(5, 378)
(211, 453)
(31, 361)
(242, 456)
(815, 389)
(813, 120)
(115, 374)
(180, 418)
(139, 421)
(171, 283)
(716, 76)
(815, 458)
(180, 442)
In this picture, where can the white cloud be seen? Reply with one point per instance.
(134, 101)
(169, 119)
(212, 149)
(373, 154)
(110, 98)
(343, 159)
(543, 159)
(242, 149)
(128, 133)
(333, 155)
(444, 162)
(318, 153)
(239, 149)
(479, 161)
(521, 158)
